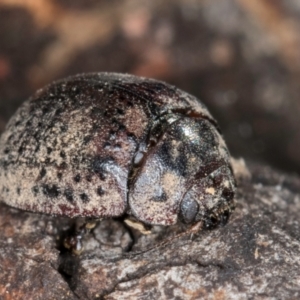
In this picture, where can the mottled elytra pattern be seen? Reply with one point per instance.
(104, 145)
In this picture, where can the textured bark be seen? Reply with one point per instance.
(256, 255)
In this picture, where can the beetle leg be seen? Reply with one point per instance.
(191, 231)
(73, 242)
(139, 226)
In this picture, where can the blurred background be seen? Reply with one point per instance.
(240, 57)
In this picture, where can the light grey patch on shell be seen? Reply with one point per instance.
(145, 196)
(135, 121)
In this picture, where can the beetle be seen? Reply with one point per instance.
(105, 145)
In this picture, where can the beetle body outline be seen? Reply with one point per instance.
(105, 144)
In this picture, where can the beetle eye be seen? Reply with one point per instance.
(189, 209)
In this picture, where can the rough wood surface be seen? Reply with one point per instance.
(255, 256)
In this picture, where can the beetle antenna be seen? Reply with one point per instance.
(192, 231)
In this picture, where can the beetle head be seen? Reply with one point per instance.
(209, 199)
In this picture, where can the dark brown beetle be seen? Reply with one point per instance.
(106, 145)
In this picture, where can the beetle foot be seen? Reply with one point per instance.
(132, 223)
(74, 244)
(194, 230)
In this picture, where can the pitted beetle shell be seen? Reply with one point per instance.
(105, 145)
